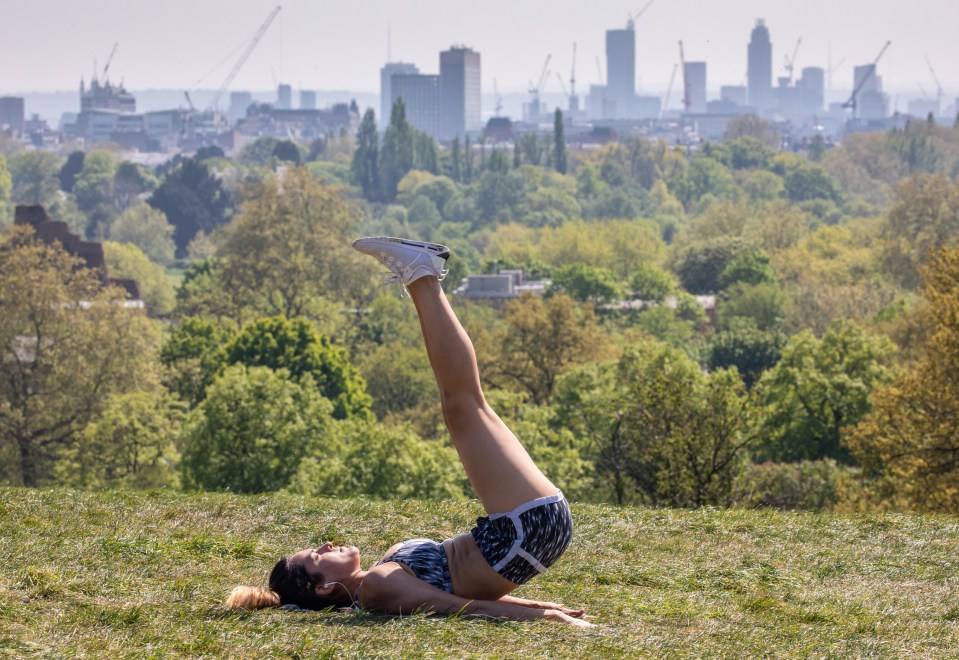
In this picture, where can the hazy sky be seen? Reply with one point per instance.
(49, 45)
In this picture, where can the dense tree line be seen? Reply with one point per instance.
(727, 325)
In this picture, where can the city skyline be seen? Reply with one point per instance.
(314, 46)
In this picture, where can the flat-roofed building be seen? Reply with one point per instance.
(11, 114)
(459, 90)
(620, 72)
(386, 94)
(421, 98)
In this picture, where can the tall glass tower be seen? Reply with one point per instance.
(760, 67)
(459, 92)
(621, 70)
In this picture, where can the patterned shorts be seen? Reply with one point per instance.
(526, 541)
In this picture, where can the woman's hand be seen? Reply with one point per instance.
(543, 605)
(562, 608)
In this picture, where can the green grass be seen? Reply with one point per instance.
(145, 574)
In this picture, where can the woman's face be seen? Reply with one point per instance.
(331, 563)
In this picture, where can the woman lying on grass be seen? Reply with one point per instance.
(472, 573)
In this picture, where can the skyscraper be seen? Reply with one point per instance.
(239, 102)
(694, 75)
(284, 97)
(307, 99)
(386, 87)
(11, 113)
(760, 67)
(812, 88)
(459, 92)
(870, 102)
(620, 71)
(420, 94)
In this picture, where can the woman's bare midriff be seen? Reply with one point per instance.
(470, 573)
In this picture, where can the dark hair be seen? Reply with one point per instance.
(296, 586)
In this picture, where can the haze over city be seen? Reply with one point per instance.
(50, 45)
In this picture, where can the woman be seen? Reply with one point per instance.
(474, 572)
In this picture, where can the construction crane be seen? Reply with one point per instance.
(534, 91)
(243, 57)
(682, 62)
(852, 102)
(106, 67)
(830, 70)
(189, 101)
(635, 17)
(791, 61)
(562, 85)
(669, 90)
(938, 86)
(572, 74)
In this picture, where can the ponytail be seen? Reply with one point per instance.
(252, 598)
(289, 584)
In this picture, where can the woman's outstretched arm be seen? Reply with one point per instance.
(522, 602)
(390, 589)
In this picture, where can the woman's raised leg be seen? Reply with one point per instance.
(499, 468)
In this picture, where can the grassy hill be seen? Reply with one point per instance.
(145, 574)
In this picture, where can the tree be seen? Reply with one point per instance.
(71, 170)
(376, 460)
(585, 283)
(148, 229)
(425, 155)
(260, 152)
(658, 428)
(398, 378)
(251, 431)
(922, 219)
(93, 191)
(747, 152)
(61, 360)
(910, 439)
(700, 266)
(192, 355)
(708, 177)
(651, 283)
(762, 304)
(132, 443)
(288, 246)
(456, 161)
(130, 183)
(752, 126)
(288, 152)
(34, 175)
(295, 347)
(559, 143)
(742, 345)
(751, 266)
(193, 201)
(818, 388)
(6, 190)
(128, 261)
(540, 340)
(396, 157)
(366, 158)
(811, 182)
(762, 186)
(467, 161)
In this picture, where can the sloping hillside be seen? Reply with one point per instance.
(145, 574)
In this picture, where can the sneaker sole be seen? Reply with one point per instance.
(436, 249)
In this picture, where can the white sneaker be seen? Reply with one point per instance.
(407, 260)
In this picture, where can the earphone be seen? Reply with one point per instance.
(352, 597)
